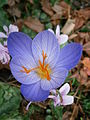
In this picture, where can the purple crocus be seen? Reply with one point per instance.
(12, 28)
(40, 65)
(60, 96)
(4, 56)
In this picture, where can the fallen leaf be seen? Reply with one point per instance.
(34, 24)
(69, 26)
(57, 8)
(79, 22)
(86, 48)
(11, 3)
(86, 62)
(56, 16)
(46, 7)
(81, 17)
(4, 66)
(83, 77)
(72, 36)
(75, 112)
(14, 11)
(55, 22)
(66, 115)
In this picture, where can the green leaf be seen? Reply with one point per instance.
(10, 98)
(3, 18)
(3, 2)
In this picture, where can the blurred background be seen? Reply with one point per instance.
(31, 17)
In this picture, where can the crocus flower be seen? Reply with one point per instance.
(63, 38)
(60, 97)
(12, 28)
(4, 56)
(40, 65)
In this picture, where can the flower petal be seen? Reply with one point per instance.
(19, 44)
(67, 100)
(70, 55)
(51, 31)
(5, 28)
(64, 89)
(16, 68)
(62, 39)
(53, 91)
(57, 30)
(34, 92)
(13, 28)
(57, 78)
(2, 35)
(47, 42)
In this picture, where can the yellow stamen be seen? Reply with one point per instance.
(43, 70)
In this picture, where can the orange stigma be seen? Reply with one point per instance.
(43, 70)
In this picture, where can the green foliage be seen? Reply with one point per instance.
(3, 18)
(36, 13)
(44, 17)
(53, 2)
(3, 2)
(56, 111)
(48, 25)
(28, 31)
(86, 105)
(48, 117)
(10, 99)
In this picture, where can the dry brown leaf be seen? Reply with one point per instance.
(69, 26)
(75, 113)
(46, 7)
(87, 84)
(79, 22)
(4, 66)
(72, 36)
(56, 16)
(34, 24)
(66, 115)
(31, 1)
(14, 11)
(11, 3)
(81, 17)
(64, 5)
(86, 62)
(86, 48)
(19, 23)
(83, 77)
(55, 22)
(57, 9)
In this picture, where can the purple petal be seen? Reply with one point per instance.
(19, 44)
(47, 42)
(2, 35)
(16, 66)
(70, 56)
(34, 92)
(64, 89)
(67, 100)
(57, 78)
(51, 31)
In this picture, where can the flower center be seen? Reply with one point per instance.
(43, 70)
